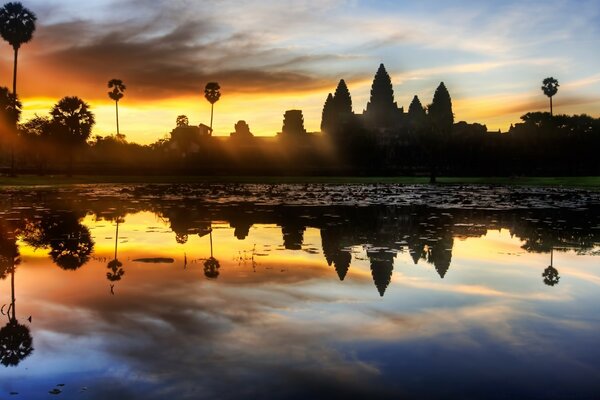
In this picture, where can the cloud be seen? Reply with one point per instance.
(158, 57)
(293, 49)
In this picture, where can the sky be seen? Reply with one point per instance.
(269, 57)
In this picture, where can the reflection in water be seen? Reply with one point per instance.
(115, 266)
(9, 253)
(312, 302)
(211, 265)
(16, 342)
(550, 274)
(335, 251)
(427, 234)
(70, 243)
(382, 266)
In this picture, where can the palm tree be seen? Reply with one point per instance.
(17, 25)
(72, 123)
(182, 120)
(212, 94)
(118, 87)
(550, 88)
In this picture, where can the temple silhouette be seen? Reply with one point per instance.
(384, 139)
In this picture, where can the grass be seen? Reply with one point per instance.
(61, 180)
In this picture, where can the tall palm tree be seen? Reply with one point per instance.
(550, 88)
(17, 25)
(212, 93)
(118, 87)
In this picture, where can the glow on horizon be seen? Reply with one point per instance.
(492, 57)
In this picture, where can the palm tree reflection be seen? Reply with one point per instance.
(211, 265)
(115, 266)
(16, 342)
(550, 274)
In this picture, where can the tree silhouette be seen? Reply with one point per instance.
(115, 266)
(211, 265)
(72, 249)
(211, 268)
(10, 109)
(72, 123)
(17, 25)
(16, 342)
(70, 242)
(37, 141)
(118, 87)
(9, 255)
(212, 93)
(182, 120)
(550, 88)
(550, 274)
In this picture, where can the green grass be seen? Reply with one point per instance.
(61, 180)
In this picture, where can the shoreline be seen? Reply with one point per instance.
(61, 180)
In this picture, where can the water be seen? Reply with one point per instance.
(299, 291)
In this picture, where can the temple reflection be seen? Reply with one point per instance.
(53, 222)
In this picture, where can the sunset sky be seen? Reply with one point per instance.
(273, 56)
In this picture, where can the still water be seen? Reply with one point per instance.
(299, 292)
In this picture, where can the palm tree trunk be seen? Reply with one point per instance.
(117, 238)
(12, 145)
(12, 287)
(551, 113)
(15, 72)
(117, 109)
(212, 107)
(211, 252)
